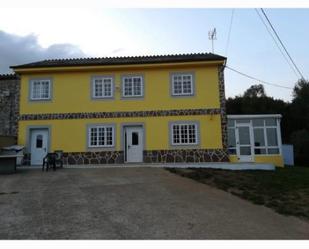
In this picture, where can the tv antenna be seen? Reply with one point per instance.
(212, 35)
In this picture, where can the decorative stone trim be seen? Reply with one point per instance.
(185, 155)
(92, 115)
(150, 156)
(101, 157)
(223, 107)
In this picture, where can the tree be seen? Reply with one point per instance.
(255, 91)
(295, 115)
(299, 108)
(298, 114)
(301, 91)
(300, 140)
(255, 101)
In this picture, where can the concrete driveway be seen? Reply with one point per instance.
(131, 203)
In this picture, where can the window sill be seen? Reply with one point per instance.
(183, 95)
(185, 146)
(98, 149)
(102, 98)
(132, 97)
(40, 100)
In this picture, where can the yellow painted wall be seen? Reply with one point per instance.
(274, 159)
(70, 135)
(71, 91)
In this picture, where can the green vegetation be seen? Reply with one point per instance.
(295, 114)
(285, 190)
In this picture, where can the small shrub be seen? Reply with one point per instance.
(300, 140)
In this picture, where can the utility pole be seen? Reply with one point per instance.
(212, 35)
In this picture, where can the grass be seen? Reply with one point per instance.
(285, 190)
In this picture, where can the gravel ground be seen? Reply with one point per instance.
(131, 203)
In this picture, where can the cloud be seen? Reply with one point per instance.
(118, 50)
(15, 49)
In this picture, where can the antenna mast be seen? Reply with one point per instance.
(212, 35)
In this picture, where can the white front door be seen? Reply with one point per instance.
(244, 140)
(38, 145)
(134, 144)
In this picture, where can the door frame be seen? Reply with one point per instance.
(245, 158)
(123, 142)
(30, 128)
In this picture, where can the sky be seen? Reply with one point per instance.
(33, 34)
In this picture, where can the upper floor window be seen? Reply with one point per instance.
(102, 87)
(40, 89)
(101, 136)
(184, 134)
(182, 84)
(132, 86)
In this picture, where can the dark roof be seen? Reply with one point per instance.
(123, 60)
(8, 77)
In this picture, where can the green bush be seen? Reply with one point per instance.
(300, 140)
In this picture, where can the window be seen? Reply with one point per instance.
(259, 139)
(242, 121)
(184, 134)
(230, 123)
(231, 139)
(272, 136)
(265, 136)
(134, 138)
(102, 87)
(101, 136)
(40, 89)
(39, 141)
(231, 136)
(270, 122)
(182, 84)
(132, 86)
(258, 122)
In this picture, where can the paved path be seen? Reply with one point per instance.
(131, 203)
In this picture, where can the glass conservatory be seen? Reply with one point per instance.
(255, 138)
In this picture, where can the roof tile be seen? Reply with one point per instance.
(8, 76)
(123, 60)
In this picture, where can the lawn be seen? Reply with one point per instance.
(285, 190)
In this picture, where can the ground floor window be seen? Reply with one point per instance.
(231, 141)
(184, 133)
(101, 136)
(265, 137)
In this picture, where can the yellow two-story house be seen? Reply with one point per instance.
(149, 109)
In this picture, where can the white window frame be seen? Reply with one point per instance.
(102, 78)
(233, 128)
(132, 77)
(184, 124)
(182, 75)
(105, 137)
(266, 146)
(32, 88)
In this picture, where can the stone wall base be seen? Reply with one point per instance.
(185, 156)
(101, 157)
(150, 156)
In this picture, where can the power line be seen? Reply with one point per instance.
(282, 43)
(276, 42)
(261, 81)
(229, 34)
